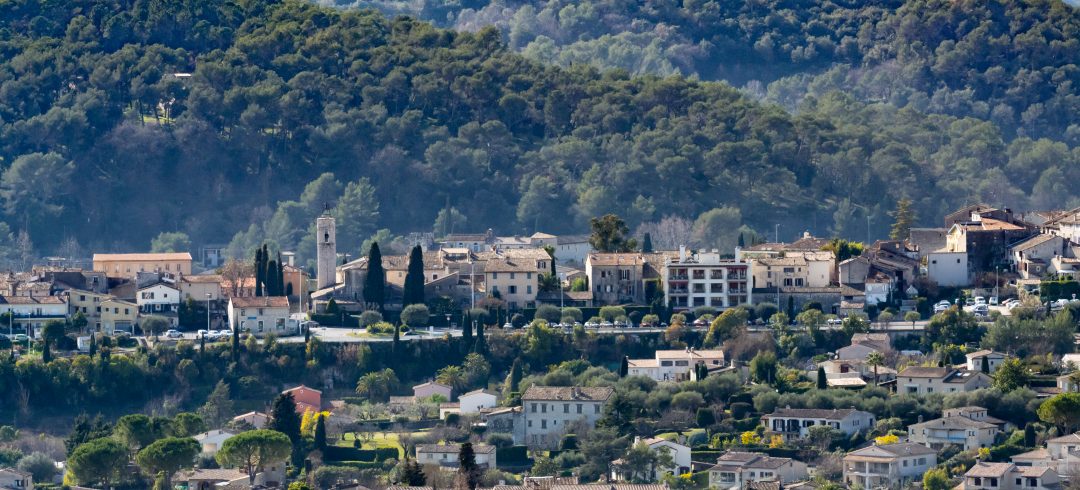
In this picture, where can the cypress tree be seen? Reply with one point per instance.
(480, 347)
(742, 241)
(93, 346)
(397, 337)
(280, 276)
(413, 474)
(375, 281)
(466, 330)
(822, 381)
(1029, 435)
(46, 354)
(235, 344)
(414, 278)
(985, 367)
(320, 432)
(467, 465)
(646, 243)
(260, 271)
(202, 344)
(513, 381)
(624, 367)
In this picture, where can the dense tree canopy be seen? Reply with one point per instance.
(225, 107)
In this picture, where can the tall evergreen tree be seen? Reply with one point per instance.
(480, 347)
(513, 380)
(202, 344)
(375, 281)
(93, 346)
(46, 353)
(413, 474)
(742, 241)
(414, 278)
(624, 367)
(985, 367)
(284, 419)
(320, 432)
(904, 218)
(397, 337)
(646, 243)
(260, 271)
(467, 466)
(280, 276)
(822, 381)
(236, 344)
(466, 330)
(271, 288)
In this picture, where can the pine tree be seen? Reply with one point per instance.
(822, 381)
(904, 218)
(467, 465)
(375, 281)
(646, 244)
(624, 367)
(414, 278)
(320, 432)
(413, 474)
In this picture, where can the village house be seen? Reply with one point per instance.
(117, 316)
(257, 420)
(837, 371)
(446, 455)
(476, 400)
(160, 299)
(507, 420)
(616, 278)
(795, 423)
(260, 315)
(1061, 454)
(515, 280)
(129, 265)
(735, 470)
(993, 360)
(549, 411)
(1008, 476)
(705, 279)
(33, 311)
(920, 380)
(307, 399)
(13, 479)
(794, 269)
(1069, 383)
(680, 457)
(1032, 257)
(272, 476)
(211, 441)
(201, 287)
(427, 390)
(862, 344)
(674, 365)
(968, 427)
(888, 466)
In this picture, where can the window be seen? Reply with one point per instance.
(528, 275)
(993, 482)
(533, 410)
(543, 424)
(565, 408)
(543, 408)
(511, 275)
(513, 289)
(494, 275)
(528, 289)
(596, 409)
(578, 408)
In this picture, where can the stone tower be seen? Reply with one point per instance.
(326, 236)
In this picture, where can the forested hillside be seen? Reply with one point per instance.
(1013, 62)
(120, 119)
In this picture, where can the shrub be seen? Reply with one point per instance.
(549, 312)
(415, 315)
(370, 317)
(512, 454)
(518, 320)
(569, 442)
(379, 328)
(499, 439)
(610, 313)
(574, 313)
(740, 410)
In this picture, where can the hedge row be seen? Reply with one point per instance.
(512, 454)
(343, 453)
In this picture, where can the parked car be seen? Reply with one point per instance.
(606, 324)
(592, 325)
(994, 300)
(202, 333)
(508, 325)
(20, 337)
(979, 300)
(173, 334)
(834, 321)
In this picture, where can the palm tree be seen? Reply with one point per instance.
(875, 359)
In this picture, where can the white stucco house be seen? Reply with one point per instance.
(446, 455)
(680, 456)
(473, 401)
(795, 423)
(211, 441)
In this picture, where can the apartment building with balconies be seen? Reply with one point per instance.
(705, 279)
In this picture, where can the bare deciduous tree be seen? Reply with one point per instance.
(668, 233)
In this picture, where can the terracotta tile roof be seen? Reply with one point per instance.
(1074, 437)
(507, 264)
(216, 474)
(749, 460)
(32, 300)
(981, 353)
(567, 393)
(959, 422)
(202, 278)
(261, 302)
(431, 383)
(642, 363)
(301, 387)
(478, 392)
(142, 257)
(1033, 241)
(924, 372)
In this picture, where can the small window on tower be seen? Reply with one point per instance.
(326, 238)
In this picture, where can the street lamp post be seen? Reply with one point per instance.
(208, 311)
